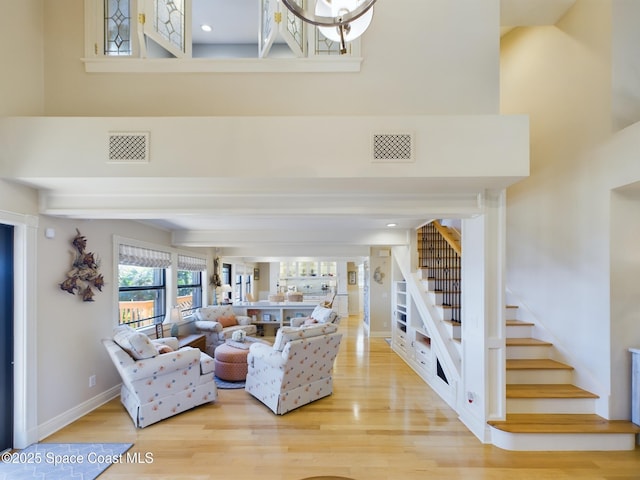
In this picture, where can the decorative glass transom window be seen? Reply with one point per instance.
(222, 31)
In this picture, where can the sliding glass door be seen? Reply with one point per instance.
(6, 337)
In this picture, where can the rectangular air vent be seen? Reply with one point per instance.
(128, 147)
(392, 147)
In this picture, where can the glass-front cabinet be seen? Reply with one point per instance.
(308, 277)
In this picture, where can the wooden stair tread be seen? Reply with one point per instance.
(548, 390)
(536, 364)
(519, 323)
(563, 423)
(526, 342)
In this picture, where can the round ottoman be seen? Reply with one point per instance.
(231, 363)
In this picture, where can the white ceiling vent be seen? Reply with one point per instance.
(128, 147)
(392, 147)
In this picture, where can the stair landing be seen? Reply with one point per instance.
(562, 432)
(562, 423)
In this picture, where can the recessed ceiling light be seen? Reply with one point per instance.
(206, 28)
(392, 224)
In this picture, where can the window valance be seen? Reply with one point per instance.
(191, 264)
(143, 257)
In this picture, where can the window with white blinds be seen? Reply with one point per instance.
(143, 257)
(152, 279)
(191, 264)
(190, 283)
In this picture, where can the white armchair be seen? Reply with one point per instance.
(157, 385)
(218, 322)
(296, 370)
(319, 315)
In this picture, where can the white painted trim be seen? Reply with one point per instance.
(25, 379)
(476, 425)
(77, 412)
(562, 442)
(219, 65)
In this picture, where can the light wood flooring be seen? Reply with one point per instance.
(382, 422)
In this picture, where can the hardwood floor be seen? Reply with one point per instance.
(381, 423)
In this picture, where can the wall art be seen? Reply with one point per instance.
(84, 276)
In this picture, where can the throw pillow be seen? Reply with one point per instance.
(227, 321)
(321, 314)
(164, 349)
(142, 346)
(282, 337)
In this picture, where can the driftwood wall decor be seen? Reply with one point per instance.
(83, 277)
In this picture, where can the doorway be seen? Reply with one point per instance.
(6, 336)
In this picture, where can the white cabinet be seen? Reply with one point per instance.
(410, 338)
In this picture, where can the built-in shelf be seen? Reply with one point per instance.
(409, 337)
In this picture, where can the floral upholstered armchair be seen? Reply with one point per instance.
(296, 370)
(158, 380)
(218, 322)
(319, 315)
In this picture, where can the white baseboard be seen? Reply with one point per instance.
(64, 419)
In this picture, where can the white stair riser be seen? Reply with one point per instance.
(519, 331)
(452, 274)
(511, 313)
(550, 405)
(528, 352)
(540, 377)
(437, 298)
(445, 313)
(562, 442)
(453, 329)
(430, 285)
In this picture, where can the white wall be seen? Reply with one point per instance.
(70, 330)
(380, 289)
(625, 292)
(557, 236)
(492, 148)
(18, 199)
(625, 63)
(437, 56)
(617, 160)
(22, 57)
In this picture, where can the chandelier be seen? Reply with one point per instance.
(339, 20)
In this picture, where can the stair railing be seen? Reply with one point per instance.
(444, 347)
(440, 253)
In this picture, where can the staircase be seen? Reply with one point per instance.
(545, 411)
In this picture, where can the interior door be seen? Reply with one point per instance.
(6, 337)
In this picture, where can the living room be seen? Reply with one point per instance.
(545, 225)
